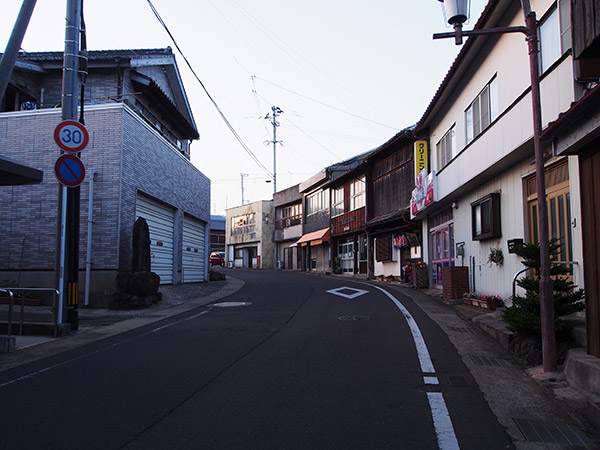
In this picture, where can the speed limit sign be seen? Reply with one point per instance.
(71, 136)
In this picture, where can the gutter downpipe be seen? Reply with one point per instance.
(88, 259)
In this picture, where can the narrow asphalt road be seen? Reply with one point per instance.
(288, 362)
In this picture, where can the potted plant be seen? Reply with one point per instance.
(489, 302)
(337, 265)
(496, 256)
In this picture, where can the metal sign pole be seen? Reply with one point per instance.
(69, 197)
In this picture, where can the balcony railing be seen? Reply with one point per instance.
(244, 229)
(290, 221)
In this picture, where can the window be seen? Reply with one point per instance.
(446, 149)
(485, 217)
(549, 36)
(559, 209)
(383, 247)
(357, 194)
(289, 211)
(337, 201)
(483, 111)
(243, 224)
(317, 202)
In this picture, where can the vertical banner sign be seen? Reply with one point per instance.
(420, 157)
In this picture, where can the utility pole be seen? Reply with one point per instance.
(69, 197)
(243, 175)
(9, 58)
(273, 119)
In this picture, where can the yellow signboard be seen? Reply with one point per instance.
(420, 157)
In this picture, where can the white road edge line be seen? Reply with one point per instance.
(442, 422)
(422, 352)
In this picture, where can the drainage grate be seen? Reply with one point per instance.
(490, 361)
(438, 310)
(462, 329)
(354, 318)
(552, 433)
(457, 380)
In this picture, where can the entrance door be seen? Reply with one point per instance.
(346, 255)
(442, 250)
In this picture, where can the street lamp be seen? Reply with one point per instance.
(457, 13)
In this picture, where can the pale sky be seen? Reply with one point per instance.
(348, 74)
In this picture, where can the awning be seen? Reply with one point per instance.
(13, 173)
(314, 238)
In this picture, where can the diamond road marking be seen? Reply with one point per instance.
(348, 292)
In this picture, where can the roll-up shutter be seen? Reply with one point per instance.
(194, 256)
(160, 219)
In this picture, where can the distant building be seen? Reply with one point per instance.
(315, 242)
(288, 227)
(217, 233)
(140, 125)
(249, 235)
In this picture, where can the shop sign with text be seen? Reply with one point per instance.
(424, 193)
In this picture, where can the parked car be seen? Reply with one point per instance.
(217, 259)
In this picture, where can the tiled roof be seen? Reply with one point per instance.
(98, 55)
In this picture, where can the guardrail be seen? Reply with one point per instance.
(514, 281)
(11, 292)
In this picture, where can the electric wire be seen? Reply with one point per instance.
(273, 37)
(229, 125)
(326, 105)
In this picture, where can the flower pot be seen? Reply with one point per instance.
(489, 304)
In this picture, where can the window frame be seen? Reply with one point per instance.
(486, 99)
(357, 193)
(337, 201)
(492, 216)
(445, 154)
(321, 204)
(550, 22)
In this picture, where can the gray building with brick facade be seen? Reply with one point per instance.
(137, 162)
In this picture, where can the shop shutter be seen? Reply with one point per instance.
(160, 219)
(194, 257)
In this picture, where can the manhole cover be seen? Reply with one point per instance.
(231, 304)
(354, 318)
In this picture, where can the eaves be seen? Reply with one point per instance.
(490, 17)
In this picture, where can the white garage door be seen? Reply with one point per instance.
(160, 222)
(194, 256)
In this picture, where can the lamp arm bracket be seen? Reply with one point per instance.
(500, 30)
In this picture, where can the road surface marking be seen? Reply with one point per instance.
(442, 423)
(347, 292)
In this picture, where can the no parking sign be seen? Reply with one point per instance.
(69, 170)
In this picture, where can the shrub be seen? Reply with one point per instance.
(524, 316)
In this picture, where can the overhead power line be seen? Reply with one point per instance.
(326, 105)
(233, 131)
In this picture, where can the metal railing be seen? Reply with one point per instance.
(11, 292)
(514, 281)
